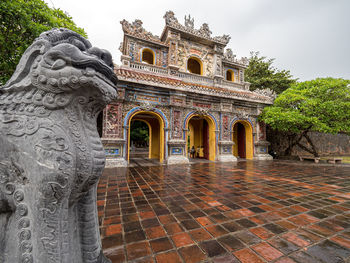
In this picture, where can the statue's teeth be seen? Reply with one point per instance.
(42, 79)
(52, 81)
(83, 80)
(90, 72)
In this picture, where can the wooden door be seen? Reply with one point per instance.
(241, 140)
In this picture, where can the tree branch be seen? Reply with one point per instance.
(305, 148)
(315, 152)
(293, 143)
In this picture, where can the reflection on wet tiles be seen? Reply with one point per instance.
(208, 211)
(329, 252)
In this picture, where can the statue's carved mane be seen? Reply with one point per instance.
(58, 35)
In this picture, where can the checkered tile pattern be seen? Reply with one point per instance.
(222, 212)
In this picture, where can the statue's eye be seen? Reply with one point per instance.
(79, 44)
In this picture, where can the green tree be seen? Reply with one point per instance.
(21, 21)
(139, 132)
(262, 75)
(321, 105)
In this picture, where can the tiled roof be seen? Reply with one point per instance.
(176, 83)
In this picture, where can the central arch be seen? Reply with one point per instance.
(200, 134)
(157, 124)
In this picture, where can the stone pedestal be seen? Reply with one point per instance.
(114, 152)
(225, 152)
(177, 152)
(261, 151)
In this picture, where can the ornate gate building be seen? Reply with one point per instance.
(191, 93)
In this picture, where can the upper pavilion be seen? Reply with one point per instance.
(185, 59)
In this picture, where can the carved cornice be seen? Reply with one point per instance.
(202, 111)
(136, 29)
(202, 32)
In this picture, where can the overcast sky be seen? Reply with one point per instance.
(311, 38)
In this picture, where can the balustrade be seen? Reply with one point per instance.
(189, 77)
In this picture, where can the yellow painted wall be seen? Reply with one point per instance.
(191, 135)
(155, 150)
(235, 146)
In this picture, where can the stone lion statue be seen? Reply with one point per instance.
(51, 155)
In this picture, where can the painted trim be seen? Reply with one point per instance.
(192, 113)
(237, 119)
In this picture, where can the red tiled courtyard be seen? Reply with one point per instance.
(222, 212)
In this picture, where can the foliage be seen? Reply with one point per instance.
(139, 132)
(262, 75)
(321, 105)
(21, 21)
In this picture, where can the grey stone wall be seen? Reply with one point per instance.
(328, 144)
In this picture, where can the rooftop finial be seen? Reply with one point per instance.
(170, 17)
(189, 22)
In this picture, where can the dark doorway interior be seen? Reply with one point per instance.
(100, 124)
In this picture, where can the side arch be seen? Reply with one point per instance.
(249, 143)
(234, 120)
(164, 127)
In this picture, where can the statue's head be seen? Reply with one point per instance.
(61, 61)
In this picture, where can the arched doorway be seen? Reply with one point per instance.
(243, 140)
(230, 76)
(194, 66)
(148, 56)
(140, 138)
(155, 126)
(201, 137)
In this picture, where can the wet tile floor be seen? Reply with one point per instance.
(222, 212)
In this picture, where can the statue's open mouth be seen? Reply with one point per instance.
(98, 66)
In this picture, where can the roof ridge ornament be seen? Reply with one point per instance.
(230, 57)
(204, 31)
